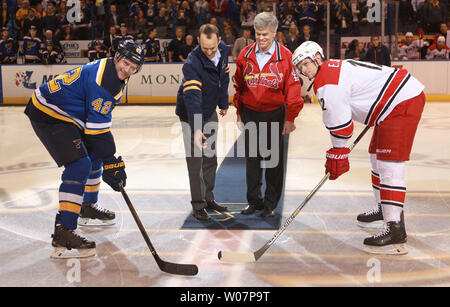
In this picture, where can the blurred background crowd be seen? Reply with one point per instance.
(34, 29)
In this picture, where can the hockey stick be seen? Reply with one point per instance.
(168, 267)
(253, 257)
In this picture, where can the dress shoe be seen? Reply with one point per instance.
(267, 212)
(215, 206)
(201, 214)
(251, 209)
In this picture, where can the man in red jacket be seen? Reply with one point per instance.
(267, 99)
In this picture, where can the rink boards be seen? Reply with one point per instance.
(159, 83)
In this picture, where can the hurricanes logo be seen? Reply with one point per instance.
(24, 79)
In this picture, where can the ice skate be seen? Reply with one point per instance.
(68, 244)
(94, 215)
(390, 241)
(372, 219)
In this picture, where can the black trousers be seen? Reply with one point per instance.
(264, 150)
(201, 164)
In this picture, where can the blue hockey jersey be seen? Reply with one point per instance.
(32, 47)
(84, 96)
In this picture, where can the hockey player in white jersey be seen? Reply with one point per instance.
(411, 48)
(390, 100)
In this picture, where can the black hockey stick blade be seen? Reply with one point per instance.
(253, 257)
(176, 268)
(168, 267)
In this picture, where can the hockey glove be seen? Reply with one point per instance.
(114, 172)
(337, 162)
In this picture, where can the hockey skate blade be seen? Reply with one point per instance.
(374, 226)
(95, 222)
(64, 253)
(236, 257)
(392, 249)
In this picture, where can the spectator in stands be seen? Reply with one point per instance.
(109, 39)
(281, 38)
(191, 20)
(97, 51)
(344, 17)
(32, 19)
(287, 16)
(354, 6)
(8, 48)
(175, 44)
(112, 18)
(22, 14)
(13, 28)
(152, 47)
(140, 24)
(439, 51)
(242, 42)
(186, 48)
(66, 34)
(247, 15)
(61, 13)
(214, 22)
(307, 35)
(150, 10)
(161, 22)
(434, 13)
(201, 10)
(4, 14)
(133, 9)
(228, 37)
(32, 47)
(48, 36)
(355, 50)
(293, 38)
(410, 49)
(377, 52)
(181, 20)
(50, 20)
(82, 28)
(219, 9)
(406, 16)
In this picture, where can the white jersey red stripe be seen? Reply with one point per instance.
(391, 88)
(350, 90)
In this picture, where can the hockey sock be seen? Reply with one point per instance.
(392, 189)
(71, 191)
(92, 186)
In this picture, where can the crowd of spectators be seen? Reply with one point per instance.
(106, 23)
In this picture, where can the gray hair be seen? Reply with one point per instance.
(264, 20)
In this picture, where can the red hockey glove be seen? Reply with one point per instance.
(337, 162)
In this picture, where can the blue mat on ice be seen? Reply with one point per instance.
(230, 190)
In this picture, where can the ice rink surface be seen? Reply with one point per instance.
(321, 247)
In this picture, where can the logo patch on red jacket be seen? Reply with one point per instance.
(270, 79)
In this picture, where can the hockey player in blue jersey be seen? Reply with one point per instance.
(71, 115)
(32, 47)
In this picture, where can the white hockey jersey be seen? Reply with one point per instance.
(433, 53)
(350, 90)
(411, 51)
